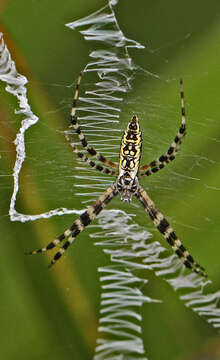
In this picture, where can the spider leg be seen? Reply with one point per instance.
(79, 225)
(91, 163)
(73, 120)
(170, 155)
(168, 233)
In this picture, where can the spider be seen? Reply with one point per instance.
(127, 173)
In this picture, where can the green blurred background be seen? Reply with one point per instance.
(53, 314)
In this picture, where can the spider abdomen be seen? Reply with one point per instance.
(130, 151)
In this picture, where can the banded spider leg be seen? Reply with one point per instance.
(78, 226)
(91, 151)
(168, 233)
(165, 159)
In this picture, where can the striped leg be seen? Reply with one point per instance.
(78, 226)
(73, 120)
(166, 230)
(170, 155)
(91, 163)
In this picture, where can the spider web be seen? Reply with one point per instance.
(99, 115)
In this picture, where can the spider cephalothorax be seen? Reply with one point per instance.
(127, 173)
(127, 186)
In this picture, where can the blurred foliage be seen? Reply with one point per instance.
(54, 314)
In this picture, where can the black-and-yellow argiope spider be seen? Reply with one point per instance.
(127, 173)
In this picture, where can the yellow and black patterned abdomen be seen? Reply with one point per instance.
(130, 151)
